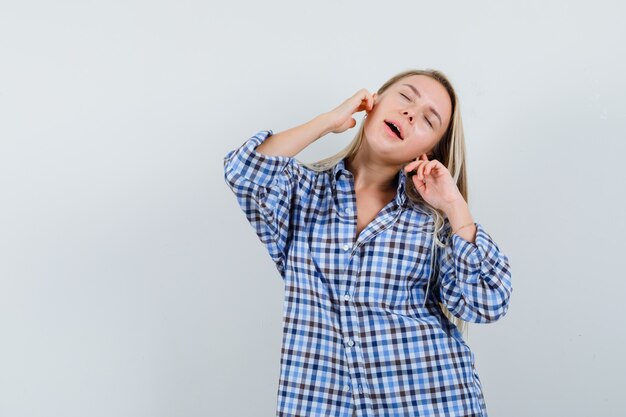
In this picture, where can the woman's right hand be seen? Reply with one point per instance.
(340, 118)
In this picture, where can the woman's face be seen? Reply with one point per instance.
(420, 107)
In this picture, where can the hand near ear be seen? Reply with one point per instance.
(340, 118)
(434, 182)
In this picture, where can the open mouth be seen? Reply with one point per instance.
(394, 129)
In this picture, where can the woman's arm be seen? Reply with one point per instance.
(267, 180)
(475, 276)
(292, 141)
(265, 187)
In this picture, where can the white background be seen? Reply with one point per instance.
(130, 282)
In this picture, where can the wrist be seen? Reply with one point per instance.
(322, 124)
(458, 214)
(455, 207)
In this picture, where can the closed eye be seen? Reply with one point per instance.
(425, 118)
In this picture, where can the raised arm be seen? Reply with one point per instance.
(265, 187)
(266, 178)
(292, 141)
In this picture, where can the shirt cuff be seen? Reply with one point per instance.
(477, 258)
(254, 166)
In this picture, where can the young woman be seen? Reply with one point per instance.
(381, 267)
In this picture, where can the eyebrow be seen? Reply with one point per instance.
(416, 91)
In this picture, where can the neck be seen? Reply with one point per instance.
(371, 174)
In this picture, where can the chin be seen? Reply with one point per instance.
(380, 142)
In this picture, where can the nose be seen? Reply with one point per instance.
(413, 111)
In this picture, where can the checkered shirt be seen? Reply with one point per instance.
(361, 333)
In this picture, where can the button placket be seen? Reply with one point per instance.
(351, 342)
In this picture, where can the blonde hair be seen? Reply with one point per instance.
(449, 150)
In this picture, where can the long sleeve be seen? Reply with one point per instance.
(264, 186)
(475, 278)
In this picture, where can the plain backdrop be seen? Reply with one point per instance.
(131, 283)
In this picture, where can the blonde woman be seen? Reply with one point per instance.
(381, 259)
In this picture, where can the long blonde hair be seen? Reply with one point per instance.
(449, 150)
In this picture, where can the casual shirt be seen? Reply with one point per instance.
(360, 330)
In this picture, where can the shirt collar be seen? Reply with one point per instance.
(400, 198)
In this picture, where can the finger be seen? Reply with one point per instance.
(364, 94)
(415, 164)
(417, 161)
(363, 104)
(412, 165)
(367, 102)
(420, 170)
(415, 169)
(431, 165)
(419, 185)
(427, 169)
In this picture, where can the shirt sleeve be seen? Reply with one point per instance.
(264, 186)
(475, 278)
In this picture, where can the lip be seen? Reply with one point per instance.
(399, 126)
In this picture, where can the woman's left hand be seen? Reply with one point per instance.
(434, 183)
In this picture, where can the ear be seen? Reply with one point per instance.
(375, 95)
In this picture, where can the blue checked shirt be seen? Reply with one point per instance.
(360, 332)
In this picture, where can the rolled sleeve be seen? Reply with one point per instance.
(266, 188)
(254, 166)
(475, 278)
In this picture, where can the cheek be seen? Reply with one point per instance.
(372, 127)
(419, 145)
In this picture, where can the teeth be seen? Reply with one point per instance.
(395, 126)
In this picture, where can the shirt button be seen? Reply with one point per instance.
(348, 210)
(350, 342)
(346, 297)
(346, 387)
(346, 247)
